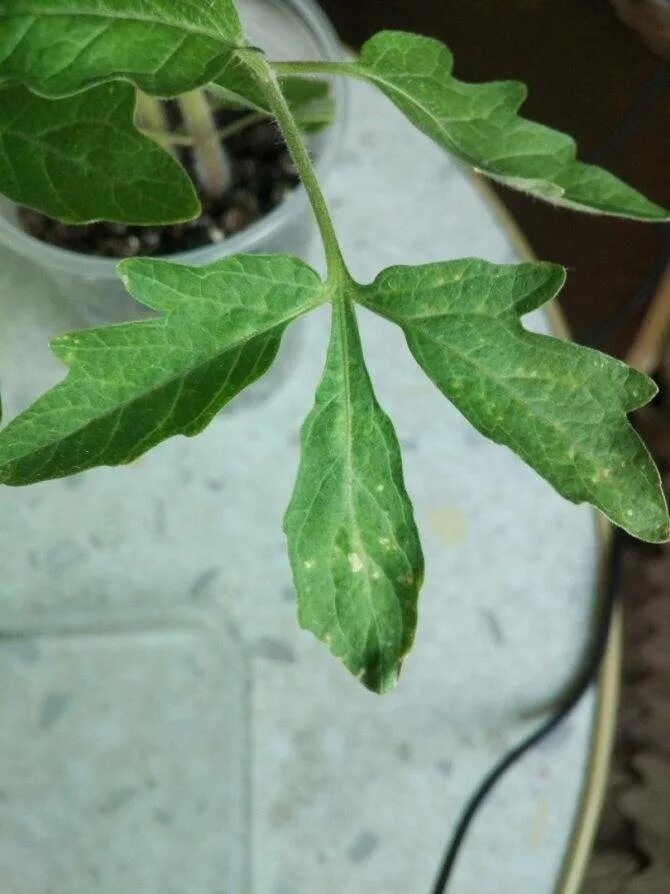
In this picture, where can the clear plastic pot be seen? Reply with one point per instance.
(286, 29)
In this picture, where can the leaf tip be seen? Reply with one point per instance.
(640, 389)
(651, 524)
(556, 276)
(124, 274)
(652, 212)
(662, 533)
(538, 283)
(377, 681)
(129, 268)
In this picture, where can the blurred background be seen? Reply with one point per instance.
(598, 70)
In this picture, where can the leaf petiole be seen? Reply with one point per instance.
(316, 67)
(267, 79)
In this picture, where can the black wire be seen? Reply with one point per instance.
(569, 702)
(640, 298)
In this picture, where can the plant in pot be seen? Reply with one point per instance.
(78, 78)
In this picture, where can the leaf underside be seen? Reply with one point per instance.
(353, 544)
(81, 159)
(561, 407)
(165, 47)
(132, 386)
(479, 124)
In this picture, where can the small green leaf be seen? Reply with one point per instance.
(134, 385)
(310, 99)
(166, 47)
(315, 116)
(479, 124)
(81, 159)
(561, 407)
(353, 544)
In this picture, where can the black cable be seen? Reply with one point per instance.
(570, 700)
(640, 298)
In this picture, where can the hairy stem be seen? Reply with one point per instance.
(336, 68)
(337, 269)
(212, 164)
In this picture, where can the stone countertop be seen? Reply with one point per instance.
(167, 729)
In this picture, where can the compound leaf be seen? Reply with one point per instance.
(166, 47)
(133, 385)
(81, 159)
(353, 544)
(479, 124)
(561, 407)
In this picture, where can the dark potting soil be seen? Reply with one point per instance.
(263, 176)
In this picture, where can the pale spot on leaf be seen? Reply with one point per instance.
(355, 562)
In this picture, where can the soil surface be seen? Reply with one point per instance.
(263, 176)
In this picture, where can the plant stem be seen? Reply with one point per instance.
(151, 118)
(168, 138)
(213, 166)
(182, 139)
(150, 113)
(240, 124)
(336, 68)
(337, 269)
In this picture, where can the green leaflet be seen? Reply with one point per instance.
(479, 124)
(131, 386)
(166, 47)
(81, 159)
(352, 540)
(310, 99)
(561, 407)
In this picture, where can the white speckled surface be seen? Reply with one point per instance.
(153, 622)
